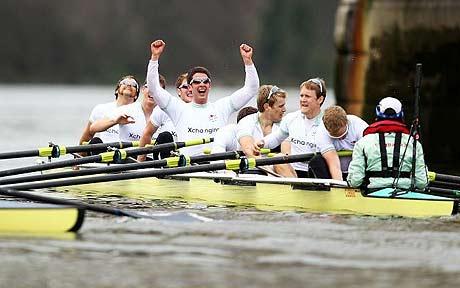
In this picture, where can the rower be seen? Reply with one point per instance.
(338, 132)
(271, 106)
(160, 124)
(131, 118)
(183, 88)
(126, 92)
(301, 127)
(384, 156)
(200, 118)
(225, 138)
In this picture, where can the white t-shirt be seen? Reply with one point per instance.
(250, 126)
(102, 111)
(301, 132)
(325, 143)
(161, 120)
(356, 127)
(133, 131)
(193, 120)
(225, 139)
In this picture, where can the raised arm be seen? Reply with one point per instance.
(251, 83)
(161, 96)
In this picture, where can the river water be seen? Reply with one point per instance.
(242, 247)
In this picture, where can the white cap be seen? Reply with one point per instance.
(390, 102)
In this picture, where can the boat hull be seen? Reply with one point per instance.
(19, 217)
(275, 194)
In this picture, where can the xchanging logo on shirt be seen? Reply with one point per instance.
(201, 130)
(303, 143)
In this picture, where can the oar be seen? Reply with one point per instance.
(167, 162)
(112, 156)
(184, 217)
(433, 176)
(240, 164)
(450, 193)
(56, 151)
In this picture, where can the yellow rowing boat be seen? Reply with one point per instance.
(20, 217)
(275, 194)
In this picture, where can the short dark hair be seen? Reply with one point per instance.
(245, 112)
(197, 69)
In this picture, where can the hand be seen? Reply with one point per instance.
(157, 48)
(256, 149)
(124, 119)
(246, 53)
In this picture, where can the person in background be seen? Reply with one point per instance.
(301, 127)
(384, 156)
(225, 138)
(183, 88)
(338, 132)
(271, 106)
(126, 92)
(200, 118)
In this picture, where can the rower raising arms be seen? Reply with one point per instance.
(339, 131)
(380, 158)
(131, 118)
(160, 121)
(271, 104)
(126, 92)
(301, 127)
(200, 118)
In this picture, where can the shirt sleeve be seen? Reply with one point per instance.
(323, 141)
(96, 114)
(171, 105)
(245, 127)
(240, 97)
(421, 174)
(356, 169)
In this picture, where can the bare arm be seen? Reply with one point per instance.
(146, 138)
(247, 146)
(86, 135)
(333, 163)
(104, 124)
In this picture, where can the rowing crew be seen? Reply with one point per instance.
(306, 130)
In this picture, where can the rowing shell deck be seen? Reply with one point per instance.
(275, 194)
(19, 217)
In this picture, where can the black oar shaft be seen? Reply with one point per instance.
(48, 166)
(104, 157)
(447, 178)
(229, 164)
(116, 168)
(78, 204)
(48, 151)
(451, 193)
(98, 146)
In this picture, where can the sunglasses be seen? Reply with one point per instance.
(317, 82)
(129, 82)
(339, 137)
(275, 89)
(200, 80)
(183, 86)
